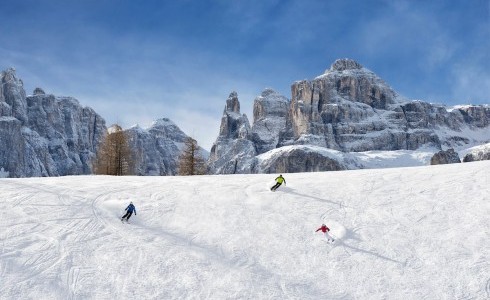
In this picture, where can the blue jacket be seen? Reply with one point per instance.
(131, 208)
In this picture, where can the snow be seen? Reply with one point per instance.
(463, 107)
(395, 159)
(480, 148)
(330, 153)
(402, 233)
(475, 136)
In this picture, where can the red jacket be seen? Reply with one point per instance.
(324, 228)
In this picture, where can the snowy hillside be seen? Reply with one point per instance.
(406, 233)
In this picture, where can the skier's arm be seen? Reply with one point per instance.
(318, 229)
(135, 211)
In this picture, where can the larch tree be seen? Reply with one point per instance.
(115, 155)
(191, 161)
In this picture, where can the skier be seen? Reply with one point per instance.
(325, 231)
(129, 212)
(279, 181)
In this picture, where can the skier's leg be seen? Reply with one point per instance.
(125, 215)
(275, 186)
(129, 216)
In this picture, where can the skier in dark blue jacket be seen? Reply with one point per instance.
(129, 211)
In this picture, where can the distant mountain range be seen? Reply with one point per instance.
(346, 118)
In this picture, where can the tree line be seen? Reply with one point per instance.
(116, 157)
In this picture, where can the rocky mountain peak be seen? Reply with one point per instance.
(345, 64)
(38, 91)
(163, 122)
(12, 96)
(233, 139)
(9, 74)
(267, 92)
(232, 103)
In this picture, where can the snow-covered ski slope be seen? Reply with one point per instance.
(406, 233)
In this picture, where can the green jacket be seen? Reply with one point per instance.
(281, 180)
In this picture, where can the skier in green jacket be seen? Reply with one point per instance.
(279, 181)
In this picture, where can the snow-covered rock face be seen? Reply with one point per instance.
(478, 116)
(44, 135)
(339, 105)
(12, 96)
(349, 108)
(157, 149)
(270, 120)
(233, 125)
(481, 152)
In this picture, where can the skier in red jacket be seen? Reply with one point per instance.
(325, 231)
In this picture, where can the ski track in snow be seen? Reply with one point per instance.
(408, 233)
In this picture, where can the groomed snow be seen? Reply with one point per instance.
(405, 233)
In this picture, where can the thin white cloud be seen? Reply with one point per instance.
(408, 30)
(471, 83)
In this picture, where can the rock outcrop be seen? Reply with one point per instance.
(44, 135)
(445, 157)
(270, 114)
(481, 152)
(233, 152)
(12, 96)
(294, 159)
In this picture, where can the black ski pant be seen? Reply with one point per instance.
(276, 186)
(128, 215)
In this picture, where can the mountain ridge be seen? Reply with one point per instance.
(348, 109)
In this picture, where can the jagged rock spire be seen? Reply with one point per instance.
(232, 152)
(232, 103)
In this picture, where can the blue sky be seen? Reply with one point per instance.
(137, 61)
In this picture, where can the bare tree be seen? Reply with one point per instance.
(115, 156)
(191, 161)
